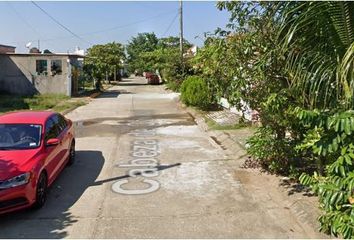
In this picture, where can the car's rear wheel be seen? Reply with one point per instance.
(72, 154)
(41, 191)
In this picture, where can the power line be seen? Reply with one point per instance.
(169, 26)
(110, 29)
(24, 20)
(57, 22)
(129, 24)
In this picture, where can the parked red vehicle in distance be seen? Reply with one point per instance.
(152, 78)
(35, 146)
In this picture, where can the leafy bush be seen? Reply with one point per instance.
(195, 92)
(273, 154)
(174, 85)
(330, 138)
(278, 57)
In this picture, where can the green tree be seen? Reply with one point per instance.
(172, 42)
(143, 43)
(294, 63)
(148, 53)
(319, 40)
(104, 58)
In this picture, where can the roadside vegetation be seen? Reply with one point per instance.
(195, 92)
(55, 102)
(147, 53)
(103, 62)
(292, 62)
(216, 126)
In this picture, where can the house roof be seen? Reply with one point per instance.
(2, 45)
(45, 54)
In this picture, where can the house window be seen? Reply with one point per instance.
(56, 67)
(41, 67)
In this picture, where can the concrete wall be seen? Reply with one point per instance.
(18, 75)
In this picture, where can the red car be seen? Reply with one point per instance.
(35, 146)
(152, 78)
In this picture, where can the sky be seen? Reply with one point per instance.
(102, 22)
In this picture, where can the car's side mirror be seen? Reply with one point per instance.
(52, 142)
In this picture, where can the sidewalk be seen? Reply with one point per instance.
(275, 190)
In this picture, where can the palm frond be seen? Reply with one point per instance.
(342, 17)
(346, 74)
(318, 39)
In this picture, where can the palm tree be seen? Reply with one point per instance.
(318, 38)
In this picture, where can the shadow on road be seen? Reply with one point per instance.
(109, 94)
(51, 221)
(295, 187)
(131, 84)
(159, 168)
(112, 93)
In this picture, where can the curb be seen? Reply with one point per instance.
(69, 110)
(93, 95)
(222, 138)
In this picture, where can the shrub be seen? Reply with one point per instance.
(195, 92)
(330, 139)
(174, 85)
(273, 154)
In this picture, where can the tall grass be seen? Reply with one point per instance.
(57, 102)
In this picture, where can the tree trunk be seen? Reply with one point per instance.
(320, 165)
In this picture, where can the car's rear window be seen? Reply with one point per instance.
(20, 136)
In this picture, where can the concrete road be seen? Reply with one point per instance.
(145, 170)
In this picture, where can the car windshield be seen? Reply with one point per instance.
(19, 136)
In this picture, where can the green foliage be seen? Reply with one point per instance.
(166, 60)
(245, 64)
(319, 39)
(274, 154)
(332, 139)
(104, 58)
(142, 43)
(216, 126)
(148, 53)
(195, 92)
(174, 85)
(45, 101)
(293, 62)
(172, 42)
(57, 102)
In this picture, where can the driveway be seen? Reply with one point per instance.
(145, 170)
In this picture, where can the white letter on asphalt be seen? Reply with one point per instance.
(117, 187)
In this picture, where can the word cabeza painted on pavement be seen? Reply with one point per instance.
(144, 164)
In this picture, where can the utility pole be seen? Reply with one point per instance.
(181, 33)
